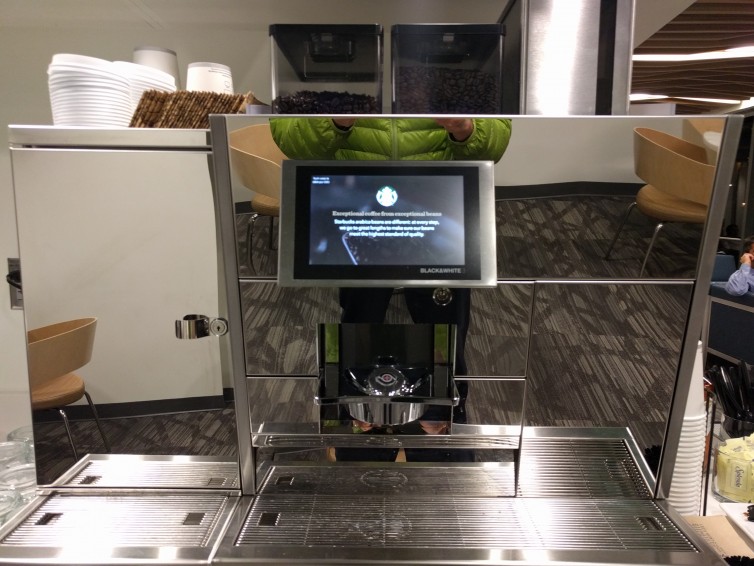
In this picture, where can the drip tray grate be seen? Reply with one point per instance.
(591, 468)
(461, 523)
(549, 467)
(80, 521)
(137, 472)
(416, 479)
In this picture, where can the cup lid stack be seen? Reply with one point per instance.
(91, 92)
(142, 78)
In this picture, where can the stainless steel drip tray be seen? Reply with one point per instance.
(141, 471)
(451, 529)
(85, 527)
(573, 466)
(423, 479)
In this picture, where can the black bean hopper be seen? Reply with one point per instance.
(434, 67)
(326, 68)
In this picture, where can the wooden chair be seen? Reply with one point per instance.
(257, 160)
(54, 353)
(679, 182)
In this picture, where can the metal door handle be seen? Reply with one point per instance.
(194, 326)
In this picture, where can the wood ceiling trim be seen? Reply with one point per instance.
(706, 25)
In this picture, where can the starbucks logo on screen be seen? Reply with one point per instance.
(387, 196)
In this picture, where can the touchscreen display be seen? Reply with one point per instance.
(386, 220)
(384, 223)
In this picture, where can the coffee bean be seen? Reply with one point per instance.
(325, 102)
(442, 90)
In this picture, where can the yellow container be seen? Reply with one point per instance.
(734, 461)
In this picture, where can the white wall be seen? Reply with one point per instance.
(554, 150)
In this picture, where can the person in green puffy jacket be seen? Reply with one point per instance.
(438, 139)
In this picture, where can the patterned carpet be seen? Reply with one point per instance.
(551, 237)
(600, 355)
(192, 433)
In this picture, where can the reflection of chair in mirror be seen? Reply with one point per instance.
(679, 182)
(257, 161)
(55, 352)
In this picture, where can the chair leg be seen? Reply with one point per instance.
(68, 432)
(96, 420)
(649, 249)
(271, 242)
(249, 241)
(620, 228)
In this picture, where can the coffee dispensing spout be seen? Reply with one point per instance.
(387, 374)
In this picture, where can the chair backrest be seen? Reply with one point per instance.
(59, 349)
(673, 165)
(257, 160)
(725, 265)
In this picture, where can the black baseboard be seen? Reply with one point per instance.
(138, 408)
(243, 207)
(569, 189)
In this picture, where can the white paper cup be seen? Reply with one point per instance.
(695, 401)
(160, 58)
(209, 77)
(692, 430)
(702, 417)
(697, 453)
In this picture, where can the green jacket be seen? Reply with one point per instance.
(388, 139)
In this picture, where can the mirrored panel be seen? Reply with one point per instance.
(606, 355)
(108, 267)
(287, 424)
(565, 191)
(563, 186)
(280, 327)
(574, 201)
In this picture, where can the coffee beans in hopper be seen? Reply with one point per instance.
(442, 90)
(325, 102)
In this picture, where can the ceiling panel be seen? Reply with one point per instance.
(706, 25)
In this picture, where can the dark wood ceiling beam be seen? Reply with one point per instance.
(706, 25)
(744, 66)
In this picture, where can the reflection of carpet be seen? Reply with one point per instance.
(192, 433)
(553, 237)
(606, 355)
(568, 237)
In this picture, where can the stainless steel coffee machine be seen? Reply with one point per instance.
(340, 463)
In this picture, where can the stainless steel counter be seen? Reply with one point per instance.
(582, 498)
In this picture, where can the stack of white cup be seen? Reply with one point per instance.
(686, 484)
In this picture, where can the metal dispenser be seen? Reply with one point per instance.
(387, 374)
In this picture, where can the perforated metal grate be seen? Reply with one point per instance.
(81, 521)
(155, 474)
(592, 468)
(460, 522)
(496, 481)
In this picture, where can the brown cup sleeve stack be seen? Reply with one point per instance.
(185, 109)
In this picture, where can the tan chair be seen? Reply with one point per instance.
(257, 160)
(54, 353)
(679, 182)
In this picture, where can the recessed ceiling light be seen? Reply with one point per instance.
(734, 53)
(641, 97)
